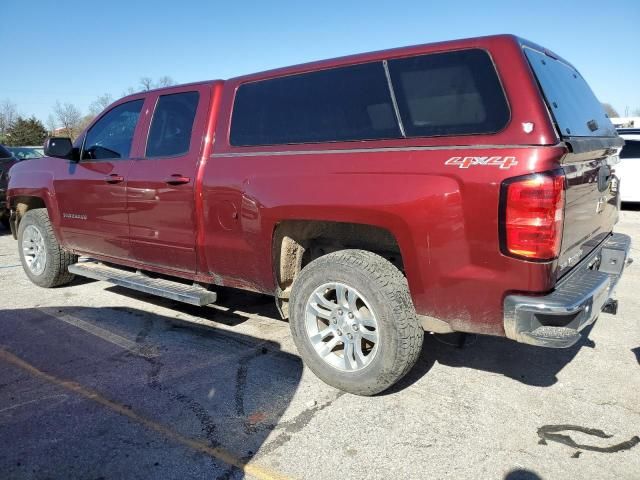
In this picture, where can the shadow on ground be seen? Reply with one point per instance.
(527, 364)
(522, 474)
(237, 305)
(223, 389)
(636, 352)
(535, 366)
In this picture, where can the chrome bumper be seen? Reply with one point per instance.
(555, 320)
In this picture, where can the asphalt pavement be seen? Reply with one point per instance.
(98, 382)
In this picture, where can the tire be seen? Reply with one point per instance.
(35, 235)
(372, 291)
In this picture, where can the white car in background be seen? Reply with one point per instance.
(628, 170)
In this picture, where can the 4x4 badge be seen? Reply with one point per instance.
(466, 162)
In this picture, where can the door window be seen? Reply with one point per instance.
(111, 137)
(170, 132)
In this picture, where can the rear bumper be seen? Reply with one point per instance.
(555, 320)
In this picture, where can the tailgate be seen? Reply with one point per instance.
(591, 207)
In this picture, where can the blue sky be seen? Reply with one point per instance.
(73, 51)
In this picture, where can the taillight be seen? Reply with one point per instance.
(532, 215)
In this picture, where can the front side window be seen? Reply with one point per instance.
(170, 132)
(339, 104)
(111, 137)
(452, 93)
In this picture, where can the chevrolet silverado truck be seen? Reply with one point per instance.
(463, 186)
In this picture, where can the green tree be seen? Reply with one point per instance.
(26, 131)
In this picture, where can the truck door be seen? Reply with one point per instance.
(91, 192)
(160, 188)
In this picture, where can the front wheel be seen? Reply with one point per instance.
(353, 321)
(43, 260)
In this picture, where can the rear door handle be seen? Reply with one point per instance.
(114, 178)
(177, 179)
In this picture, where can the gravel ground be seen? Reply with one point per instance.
(100, 382)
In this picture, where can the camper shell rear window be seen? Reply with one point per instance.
(574, 107)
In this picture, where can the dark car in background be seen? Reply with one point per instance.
(26, 152)
(7, 160)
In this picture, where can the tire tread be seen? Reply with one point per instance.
(393, 286)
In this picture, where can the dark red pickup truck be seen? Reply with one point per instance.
(460, 186)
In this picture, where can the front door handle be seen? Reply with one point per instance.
(177, 179)
(114, 178)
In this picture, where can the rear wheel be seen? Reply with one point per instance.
(43, 260)
(353, 321)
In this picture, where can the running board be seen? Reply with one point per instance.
(192, 294)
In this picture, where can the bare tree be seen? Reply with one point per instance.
(69, 118)
(146, 83)
(51, 124)
(165, 81)
(100, 103)
(609, 110)
(85, 122)
(8, 115)
(128, 91)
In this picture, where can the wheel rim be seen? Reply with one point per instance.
(342, 327)
(35, 253)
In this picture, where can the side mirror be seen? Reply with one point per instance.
(60, 147)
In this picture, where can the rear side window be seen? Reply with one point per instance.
(631, 149)
(575, 108)
(340, 104)
(453, 93)
(111, 137)
(170, 132)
